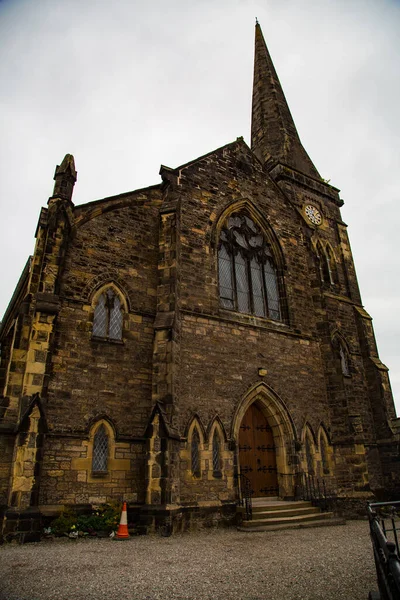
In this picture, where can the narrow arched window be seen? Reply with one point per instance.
(248, 277)
(331, 265)
(195, 454)
(344, 360)
(216, 455)
(323, 265)
(100, 451)
(107, 321)
(324, 456)
(309, 456)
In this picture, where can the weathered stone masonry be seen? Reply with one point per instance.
(118, 324)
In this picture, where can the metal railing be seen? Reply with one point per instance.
(383, 529)
(245, 496)
(314, 489)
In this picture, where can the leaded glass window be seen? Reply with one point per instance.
(195, 454)
(100, 450)
(216, 455)
(107, 321)
(248, 277)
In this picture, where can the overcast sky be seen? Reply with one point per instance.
(128, 85)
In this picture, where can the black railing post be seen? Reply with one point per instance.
(245, 496)
(386, 552)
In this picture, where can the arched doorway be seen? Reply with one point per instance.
(257, 453)
(278, 419)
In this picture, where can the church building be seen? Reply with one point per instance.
(164, 343)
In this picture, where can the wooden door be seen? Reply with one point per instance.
(257, 453)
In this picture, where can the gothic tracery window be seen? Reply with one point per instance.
(107, 322)
(248, 278)
(100, 450)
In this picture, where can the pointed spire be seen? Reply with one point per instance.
(273, 132)
(65, 177)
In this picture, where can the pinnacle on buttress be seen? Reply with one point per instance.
(65, 177)
(273, 132)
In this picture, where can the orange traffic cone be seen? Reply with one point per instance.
(122, 533)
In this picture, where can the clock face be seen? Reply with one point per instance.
(313, 214)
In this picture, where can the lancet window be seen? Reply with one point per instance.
(323, 265)
(195, 454)
(100, 450)
(309, 455)
(107, 322)
(216, 455)
(324, 455)
(344, 360)
(248, 277)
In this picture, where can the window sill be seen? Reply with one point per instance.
(96, 338)
(252, 319)
(99, 474)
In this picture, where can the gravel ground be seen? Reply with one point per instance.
(327, 563)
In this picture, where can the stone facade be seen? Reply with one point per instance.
(125, 373)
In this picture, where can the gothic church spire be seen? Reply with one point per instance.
(273, 132)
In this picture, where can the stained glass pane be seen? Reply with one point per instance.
(251, 224)
(100, 318)
(195, 455)
(257, 288)
(225, 278)
(271, 284)
(240, 239)
(242, 284)
(100, 450)
(115, 329)
(216, 453)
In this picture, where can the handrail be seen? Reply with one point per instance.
(245, 496)
(386, 553)
(313, 489)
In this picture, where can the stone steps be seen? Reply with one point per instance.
(272, 514)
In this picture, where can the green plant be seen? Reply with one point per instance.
(104, 518)
(64, 523)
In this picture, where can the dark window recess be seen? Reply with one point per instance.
(248, 277)
(309, 457)
(323, 265)
(195, 454)
(344, 361)
(216, 455)
(107, 322)
(100, 451)
(324, 457)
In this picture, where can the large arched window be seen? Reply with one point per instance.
(107, 322)
(248, 280)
